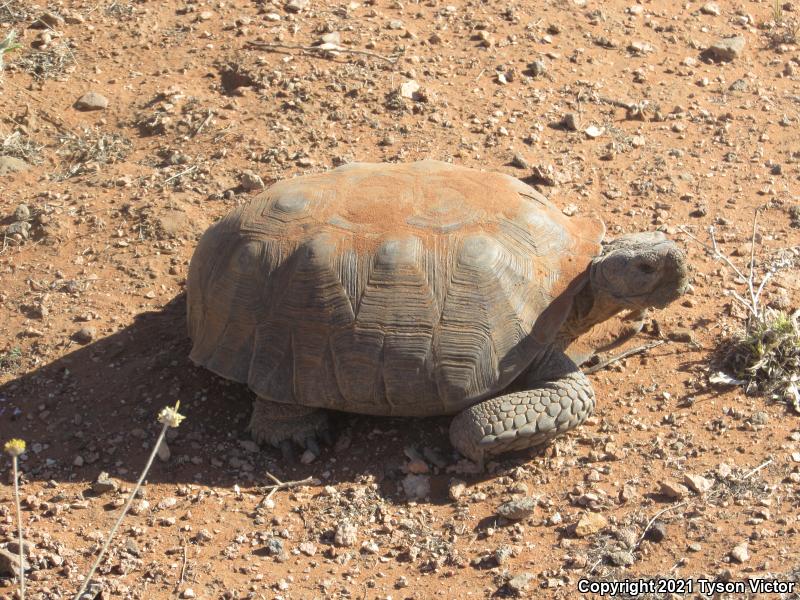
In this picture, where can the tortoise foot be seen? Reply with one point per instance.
(525, 419)
(284, 425)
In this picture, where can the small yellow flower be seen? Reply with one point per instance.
(15, 447)
(170, 416)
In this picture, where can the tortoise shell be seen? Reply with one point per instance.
(391, 289)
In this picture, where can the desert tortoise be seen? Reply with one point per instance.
(415, 289)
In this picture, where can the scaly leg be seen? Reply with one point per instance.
(280, 424)
(559, 397)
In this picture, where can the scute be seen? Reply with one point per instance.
(412, 289)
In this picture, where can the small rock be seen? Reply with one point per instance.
(698, 483)
(92, 101)
(711, 8)
(21, 228)
(538, 68)
(519, 583)
(188, 593)
(657, 532)
(516, 510)
(672, 490)
(334, 37)
(22, 213)
(726, 49)
(416, 486)
(48, 20)
(346, 534)
(456, 489)
(724, 470)
(205, 15)
(12, 164)
(78, 461)
(740, 553)
(296, 6)
(396, 24)
(104, 484)
(621, 558)
(570, 122)
(410, 90)
(274, 547)
(593, 131)
(308, 548)
(519, 161)
(590, 523)
(204, 535)
(251, 181)
(84, 335)
(9, 563)
(681, 334)
(308, 457)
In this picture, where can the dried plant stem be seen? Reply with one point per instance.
(123, 513)
(19, 526)
(626, 354)
(320, 49)
(653, 520)
(749, 474)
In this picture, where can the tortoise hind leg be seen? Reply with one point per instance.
(559, 397)
(281, 424)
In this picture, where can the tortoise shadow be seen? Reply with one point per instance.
(94, 410)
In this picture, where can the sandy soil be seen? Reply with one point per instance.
(664, 134)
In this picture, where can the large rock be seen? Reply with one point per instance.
(726, 49)
(92, 101)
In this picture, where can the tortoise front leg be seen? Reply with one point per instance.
(281, 424)
(559, 397)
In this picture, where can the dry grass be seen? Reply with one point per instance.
(21, 146)
(783, 30)
(86, 153)
(52, 63)
(767, 355)
(15, 11)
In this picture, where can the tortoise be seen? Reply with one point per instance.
(417, 289)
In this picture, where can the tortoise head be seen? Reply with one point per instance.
(639, 271)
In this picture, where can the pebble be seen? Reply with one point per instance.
(410, 89)
(164, 452)
(711, 8)
(518, 509)
(590, 523)
(726, 49)
(48, 20)
(274, 547)
(657, 532)
(296, 6)
(519, 583)
(519, 161)
(22, 213)
(621, 558)
(570, 122)
(416, 486)
(698, 483)
(188, 593)
(84, 335)
(12, 164)
(740, 553)
(672, 490)
(308, 548)
(308, 457)
(9, 563)
(456, 489)
(92, 101)
(251, 182)
(104, 484)
(346, 535)
(21, 228)
(538, 68)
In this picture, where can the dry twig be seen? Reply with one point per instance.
(321, 49)
(626, 354)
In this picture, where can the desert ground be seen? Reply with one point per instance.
(127, 127)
